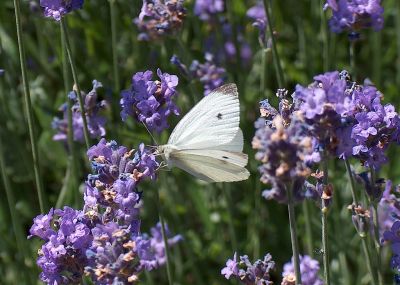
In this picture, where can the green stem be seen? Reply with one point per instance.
(114, 44)
(397, 20)
(309, 235)
(352, 59)
(325, 38)
(367, 254)
(293, 235)
(263, 78)
(362, 234)
(277, 62)
(29, 109)
(324, 221)
(375, 219)
(352, 183)
(165, 239)
(76, 84)
(15, 220)
(228, 200)
(72, 158)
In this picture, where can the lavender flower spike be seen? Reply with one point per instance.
(58, 8)
(309, 269)
(355, 15)
(206, 9)
(159, 18)
(248, 273)
(150, 102)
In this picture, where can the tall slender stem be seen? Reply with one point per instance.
(352, 183)
(293, 235)
(227, 196)
(114, 45)
(277, 62)
(375, 219)
(76, 83)
(362, 235)
(367, 254)
(29, 109)
(352, 58)
(324, 221)
(309, 235)
(165, 239)
(15, 220)
(325, 38)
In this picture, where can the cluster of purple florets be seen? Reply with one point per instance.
(309, 269)
(347, 118)
(257, 14)
(58, 8)
(285, 149)
(159, 18)
(103, 240)
(353, 15)
(207, 9)
(393, 236)
(259, 272)
(249, 273)
(150, 101)
(92, 106)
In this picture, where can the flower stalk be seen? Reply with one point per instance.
(293, 235)
(277, 62)
(28, 107)
(77, 89)
(324, 222)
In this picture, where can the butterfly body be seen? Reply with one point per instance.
(208, 142)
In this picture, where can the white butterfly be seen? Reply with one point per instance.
(208, 142)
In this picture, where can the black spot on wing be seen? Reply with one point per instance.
(225, 157)
(219, 116)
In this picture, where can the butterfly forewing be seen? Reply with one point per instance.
(214, 121)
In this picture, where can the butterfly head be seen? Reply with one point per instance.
(165, 152)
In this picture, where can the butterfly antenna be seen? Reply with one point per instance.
(155, 141)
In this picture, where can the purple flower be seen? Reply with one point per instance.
(62, 257)
(393, 236)
(348, 119)
(309, 269)
(355, 15)
(159, 18)
(257, 14)
(92, 107)
(150, 102)
(58, 8)
(284, 151)
(208, 73)
(247, 273)
(152, 249)
(388, 207)
(206, 9)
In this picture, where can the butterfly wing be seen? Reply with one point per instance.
(213, 122)
(211, 165)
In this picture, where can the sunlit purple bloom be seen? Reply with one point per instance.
(96, 122)
(355, 15)
(347, 118)
(309, 269)
(62, 257)
(208, 73)
(159, 18)
(283, 151)
(388, 207)
(150, 102)
(206, 9)
(257, 273)
(58, 8)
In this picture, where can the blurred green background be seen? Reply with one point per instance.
(215, 219)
